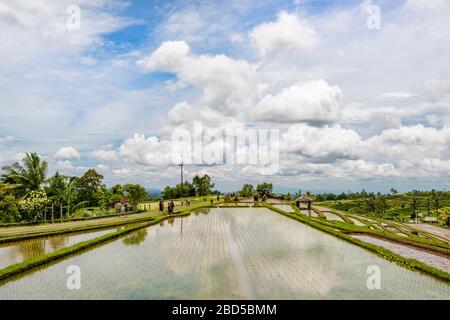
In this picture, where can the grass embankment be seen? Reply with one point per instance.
(25, 235)
(380, 228)
(334, 227)
(21, 267)
(96, 225)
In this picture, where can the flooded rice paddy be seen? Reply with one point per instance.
(19, 251)
(284, 207)
(226, 253)
(309, 213)
(357, 222)
(332, 216)
(435, 260)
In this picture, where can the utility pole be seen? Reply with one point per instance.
(181, 169)
(182, 183)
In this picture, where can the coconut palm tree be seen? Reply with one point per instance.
(28, 176)
(414, 203)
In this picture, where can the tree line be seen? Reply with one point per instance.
(26, 192)
(200, 186)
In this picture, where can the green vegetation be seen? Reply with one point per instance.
(414, 205)
(27, 195)
(264, 189)
(200, 186)
(247, 191)
(26, 177)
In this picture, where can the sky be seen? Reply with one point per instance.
(358, 91)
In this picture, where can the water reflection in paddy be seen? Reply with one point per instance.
(15, 252)
(228, 253)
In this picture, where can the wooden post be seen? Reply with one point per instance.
(52, 212)
(61, 212)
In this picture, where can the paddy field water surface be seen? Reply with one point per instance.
(226, 253)
(19, 251)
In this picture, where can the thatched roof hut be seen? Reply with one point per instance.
(304, 199)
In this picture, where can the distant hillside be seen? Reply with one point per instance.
(154, 193)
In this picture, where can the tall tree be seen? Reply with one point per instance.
(135, 193)
(264, 189)
(9, 208)
(436, 197)
(55, 187)
(88, 185)
(414, 203)
(202, 185)
(247, 190)
(28, 176)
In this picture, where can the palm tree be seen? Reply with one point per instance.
(26, 177)
(414, 202)
(310, 195)
(298, 193)
(436, 197)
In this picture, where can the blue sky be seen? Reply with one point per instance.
(357, 107)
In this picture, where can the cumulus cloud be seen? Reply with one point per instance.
(436, 165)
(287, 34)
(42, 26)
(107, 153)
(67, 153)
(378, 131)
(146, 151)
(168, 57)
(226, 83)
(322, 144)
(437, 89)
(409, 142)
(313, 102)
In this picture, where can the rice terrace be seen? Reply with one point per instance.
(205, 159)
(227, 247)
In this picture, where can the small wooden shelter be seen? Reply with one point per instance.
(303, 199)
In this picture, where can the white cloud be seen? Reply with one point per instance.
(67, 153)
(168, 57)
(376, 130)
(227, 84)
(121, 172)
(409, 143)
(7, 139)
(427, 4)
(287, 34)
(437, 89)
(322, 144)
(398, 95)
(107, 153)
(313, 102)
(437, 165)
(146, 151)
